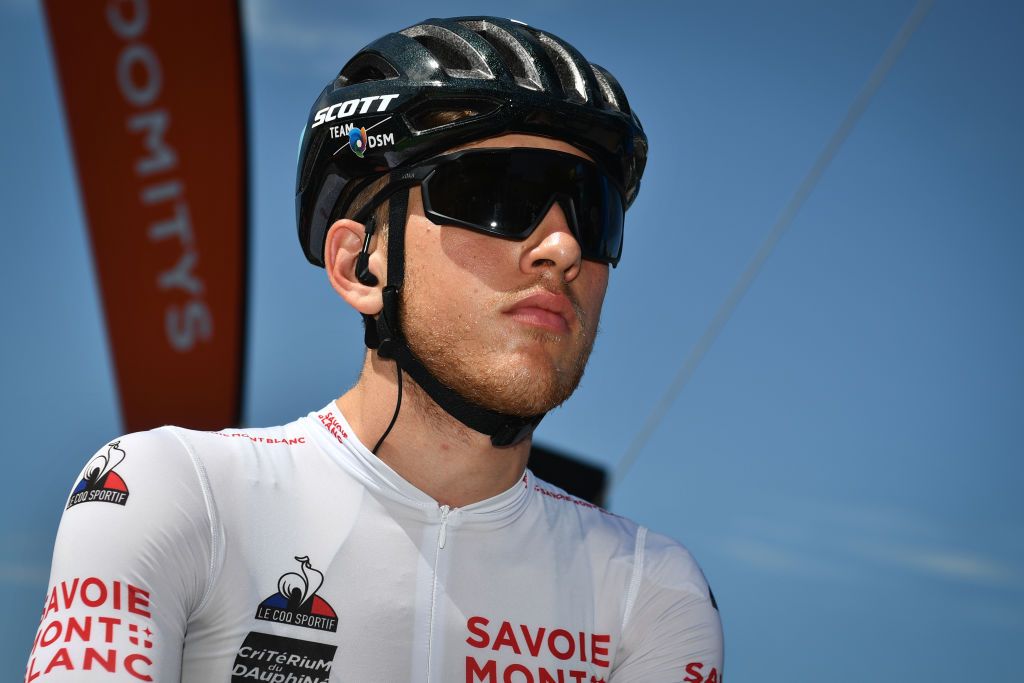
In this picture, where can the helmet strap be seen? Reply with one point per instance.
(384, 334)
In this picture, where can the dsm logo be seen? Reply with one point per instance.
(359, 141)
(296, 601)
(100, 483)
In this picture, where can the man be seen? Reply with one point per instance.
(463, 182)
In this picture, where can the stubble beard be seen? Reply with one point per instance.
(498, 381)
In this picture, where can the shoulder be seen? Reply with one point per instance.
(590, 519)
(669, 565)
(662, 561)
(149, 463)
(558, 502)
(671, 625)
(670, 619)
(174, 464)
(139, 509)
(236, 442)
(612, 544)
(232, 456)
(129, 462)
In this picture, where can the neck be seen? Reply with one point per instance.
(430, 449)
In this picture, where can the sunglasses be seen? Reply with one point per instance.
(507, 192)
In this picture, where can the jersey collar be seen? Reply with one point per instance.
(332, 432)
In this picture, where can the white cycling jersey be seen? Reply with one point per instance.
(294, 555)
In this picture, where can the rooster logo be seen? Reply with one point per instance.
(296, 601)
(299, 590)
(99, 480)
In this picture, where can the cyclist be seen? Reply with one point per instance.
(464, 183)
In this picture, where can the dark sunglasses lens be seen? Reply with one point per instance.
(507, 193)
(483, 191)
(599, 218)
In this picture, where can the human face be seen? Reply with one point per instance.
(507, 324)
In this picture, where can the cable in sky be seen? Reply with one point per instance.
(782, 223)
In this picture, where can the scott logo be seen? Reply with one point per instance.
(343, 110)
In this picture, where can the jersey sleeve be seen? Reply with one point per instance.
(132, 560)
(672, 629)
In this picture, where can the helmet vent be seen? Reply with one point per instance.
(367, 67)
(511, 51)
(434, 114)
(457, 57)
(607, 92)
(572, 80)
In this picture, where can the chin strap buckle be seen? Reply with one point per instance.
(515, 430)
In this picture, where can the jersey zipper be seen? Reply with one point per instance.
(442, 534)
(442, 537)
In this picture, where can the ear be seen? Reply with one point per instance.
(344, 242)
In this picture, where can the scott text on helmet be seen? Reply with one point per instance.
(347, 108)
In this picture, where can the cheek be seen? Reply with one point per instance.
(455, 250)
(442, 261)
(484, 257)
(594, 280)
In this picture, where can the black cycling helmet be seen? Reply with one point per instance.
(378, 117)
(503, 75)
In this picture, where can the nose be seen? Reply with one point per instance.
(552, 246)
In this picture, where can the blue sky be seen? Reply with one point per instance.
(845, 463)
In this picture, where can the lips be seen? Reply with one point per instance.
(547, 310)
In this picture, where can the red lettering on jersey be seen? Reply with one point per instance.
(541, 641)
(94, 592)
(491, 672)
(62, 659)
(32, 674)
(83, 629)
(129, 666)
(138, 600)
(695, 675)
(517, 668)
(94, 659)
(56, 627)
(506, 636)
(599, 649)
(545, 676)
(92, 655)
(69, 597)
(475, 671)
(110, 623)
(334, 427)
(53, 605)
(565, 635)
(100, 594)
(533, 646)
(473, 625)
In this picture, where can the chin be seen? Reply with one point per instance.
(516, 374)
(519, 384)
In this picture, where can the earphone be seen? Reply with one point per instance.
(363, 273)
